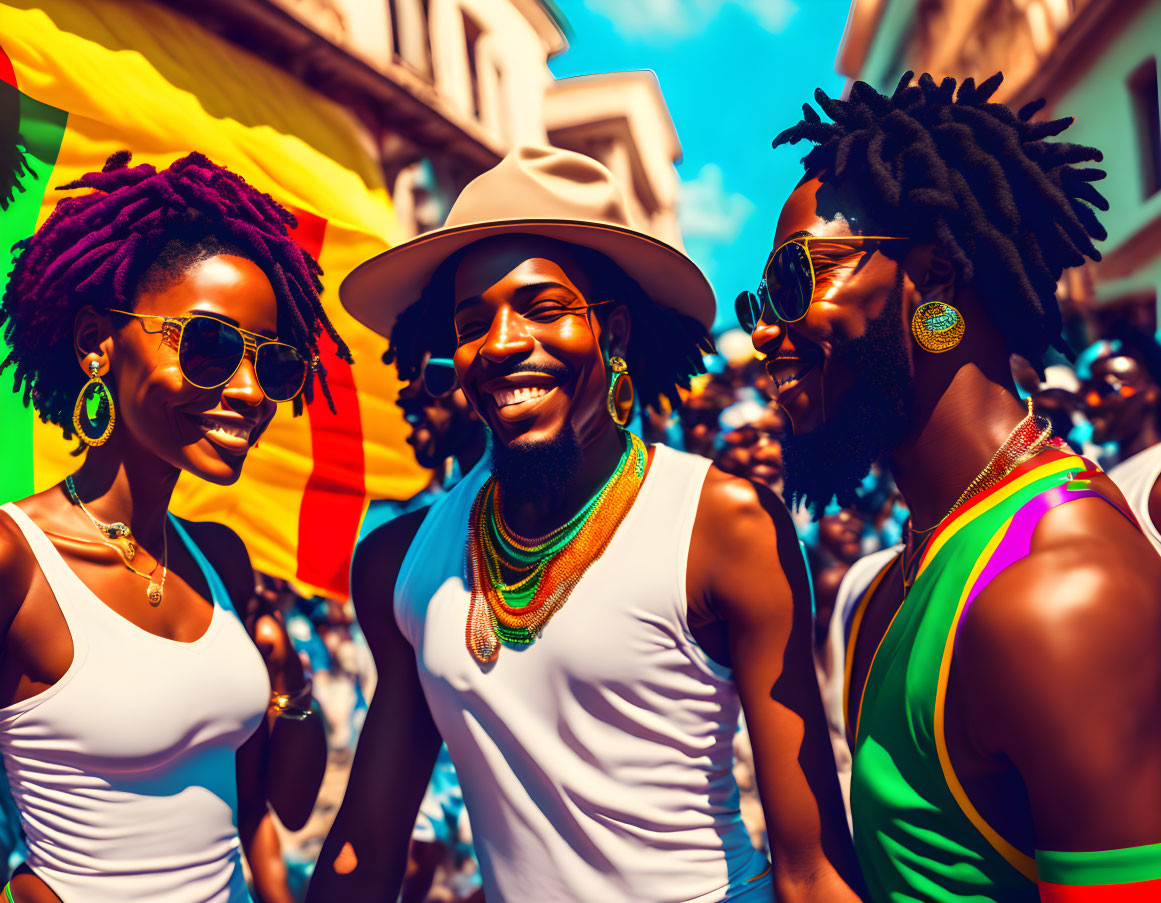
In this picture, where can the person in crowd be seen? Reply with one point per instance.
(448, 437)
(621, 604)
(1002, 674)
(157, 318)
(1123, 397)
(751, 448)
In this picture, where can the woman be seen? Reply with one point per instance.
(159, 319)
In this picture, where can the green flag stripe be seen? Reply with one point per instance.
(41, 130)
(1125, 866)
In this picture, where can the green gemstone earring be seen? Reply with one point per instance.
(94, 413)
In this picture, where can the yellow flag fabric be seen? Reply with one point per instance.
(143, 77)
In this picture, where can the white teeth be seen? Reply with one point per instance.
(505, 397)
(233, 430)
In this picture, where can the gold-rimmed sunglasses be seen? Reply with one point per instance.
(210, 351)
(788, 281)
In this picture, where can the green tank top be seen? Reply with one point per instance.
(917, 835)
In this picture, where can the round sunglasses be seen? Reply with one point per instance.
(788, 282)
(439, 376)
(210, 351)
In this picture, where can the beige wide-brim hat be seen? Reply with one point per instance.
(533, 191)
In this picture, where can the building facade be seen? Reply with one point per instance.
(1095, 60)
(444, 88)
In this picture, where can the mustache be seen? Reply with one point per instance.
(556, 370)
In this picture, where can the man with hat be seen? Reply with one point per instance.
(584, 623)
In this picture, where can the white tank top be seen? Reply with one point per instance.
(1135, 476)
(123, 770)
(596, 763)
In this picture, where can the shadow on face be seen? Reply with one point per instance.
(206, 432)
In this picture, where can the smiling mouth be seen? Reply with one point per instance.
(506, 398)
(230, 435)
(785, 380)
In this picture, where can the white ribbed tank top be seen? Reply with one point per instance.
(123, 770)
(1135, 477)
(596, 763)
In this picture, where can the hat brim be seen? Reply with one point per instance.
(377, 290)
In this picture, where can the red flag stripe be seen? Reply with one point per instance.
(7, 73)
(332, 503)
(1133, 892)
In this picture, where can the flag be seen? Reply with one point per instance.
(89, 77)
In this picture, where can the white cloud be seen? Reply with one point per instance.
(657, 21)
(706, 212)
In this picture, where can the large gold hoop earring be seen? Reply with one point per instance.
(937, 327)
(620, 400)
(94, 413)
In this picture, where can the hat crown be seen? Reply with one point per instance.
(543, 183)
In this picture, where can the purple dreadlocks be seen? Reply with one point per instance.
(1010, 209)
(143, 225)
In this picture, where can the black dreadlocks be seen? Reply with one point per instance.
(140, 226)
(1007, 206)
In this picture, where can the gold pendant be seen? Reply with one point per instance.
(153, 594)
(122, 538)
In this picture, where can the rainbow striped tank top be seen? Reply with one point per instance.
(917, 835)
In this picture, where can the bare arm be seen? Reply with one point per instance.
(365, 854)
(746, 568)
(1062, 650)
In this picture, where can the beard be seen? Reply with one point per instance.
(870, 420)
(527, 471)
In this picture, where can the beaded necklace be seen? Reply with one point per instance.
(547, 568)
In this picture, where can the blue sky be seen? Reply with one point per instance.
(734, 74)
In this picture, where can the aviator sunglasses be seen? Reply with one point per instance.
(788, 282)
(210, 351)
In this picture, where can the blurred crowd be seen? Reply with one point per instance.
(1105, 404)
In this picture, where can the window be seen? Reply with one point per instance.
(1143, 86)
(472, 34)
(409, 41)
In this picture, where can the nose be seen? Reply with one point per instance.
(243, 385)
(408, 391)
(768, 337)
(506, 337)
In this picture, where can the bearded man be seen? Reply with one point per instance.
(583, 626)
(1002, 672)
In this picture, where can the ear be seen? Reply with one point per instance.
(932, 274)
(617, 328)
(92, 340)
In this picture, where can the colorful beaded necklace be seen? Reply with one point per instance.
(547, 568)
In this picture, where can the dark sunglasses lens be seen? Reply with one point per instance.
(210, 351)
(439, 379)
(747, 309)
(280, 369)
(790, 281)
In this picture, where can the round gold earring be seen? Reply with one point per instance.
(94, 413)
(620, 399)
(937, 326)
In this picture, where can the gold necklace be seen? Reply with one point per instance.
(1020, 445)
(118, 536)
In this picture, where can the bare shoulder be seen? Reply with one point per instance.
(375, 568)
(744, 555)
(1075, 622)
(733, 509)
(17, 566)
